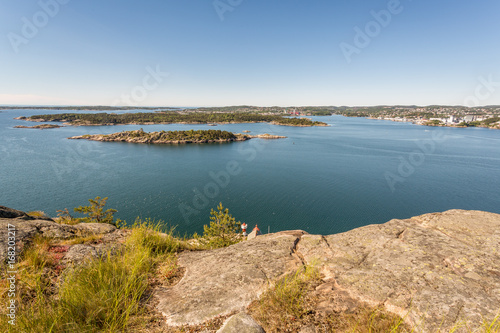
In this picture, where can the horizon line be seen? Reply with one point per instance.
(246, 105)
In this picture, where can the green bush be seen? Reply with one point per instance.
(223, 229)
(96, 212)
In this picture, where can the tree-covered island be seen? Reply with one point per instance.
(175, 137)
(89, 119)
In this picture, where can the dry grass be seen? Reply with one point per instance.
(91, 239)
(66, 220)
(291, 305)
(112, 293)
(487, 326)
(38, 214)
(106, 294)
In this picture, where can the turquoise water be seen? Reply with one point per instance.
(322, 180)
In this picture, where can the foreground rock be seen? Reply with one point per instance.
(9, 213)
(241, 323)
(222, 281)
(432, 270)
(26, 228)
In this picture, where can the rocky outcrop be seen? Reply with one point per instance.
(432, 270)
(121, 137)
(241, 323)
(24, 229)
(139, 136)
(9, 213)
(44, 126)
(219, 282)
(267, 136)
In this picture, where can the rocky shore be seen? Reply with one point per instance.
(432, 270)
(315, 124)
(156, 138)
(80, 122)
(44, 126)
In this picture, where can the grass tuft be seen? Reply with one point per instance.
(155, 236)
(291, 304)
(38, 214)
(90, 239)
(286, 301)
(105, 294)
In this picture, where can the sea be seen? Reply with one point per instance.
(323, 180)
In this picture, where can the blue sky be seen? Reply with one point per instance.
(262, 52)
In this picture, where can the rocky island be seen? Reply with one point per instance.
(174, 137)
(43, 126)
(437, 272)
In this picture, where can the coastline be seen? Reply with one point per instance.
(44, 126)
(403, 265)
(169, 123)
(156, 138)
(496, 127)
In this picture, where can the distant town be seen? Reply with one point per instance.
(434, 115)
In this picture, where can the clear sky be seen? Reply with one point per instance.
(258, 52)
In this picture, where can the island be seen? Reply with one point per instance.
(43, 126)
(171, 117)
(174, 137)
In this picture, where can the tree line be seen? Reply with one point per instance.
(170, 117)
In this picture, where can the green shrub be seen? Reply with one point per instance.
(223, 230)
(38, 214)
(96, 212)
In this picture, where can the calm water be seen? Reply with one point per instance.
(322, 180)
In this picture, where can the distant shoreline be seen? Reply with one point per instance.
(435, 125)
(109, 119)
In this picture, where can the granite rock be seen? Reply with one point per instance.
(241, 323)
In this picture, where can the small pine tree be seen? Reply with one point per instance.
(223, 229)
(96, 212)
